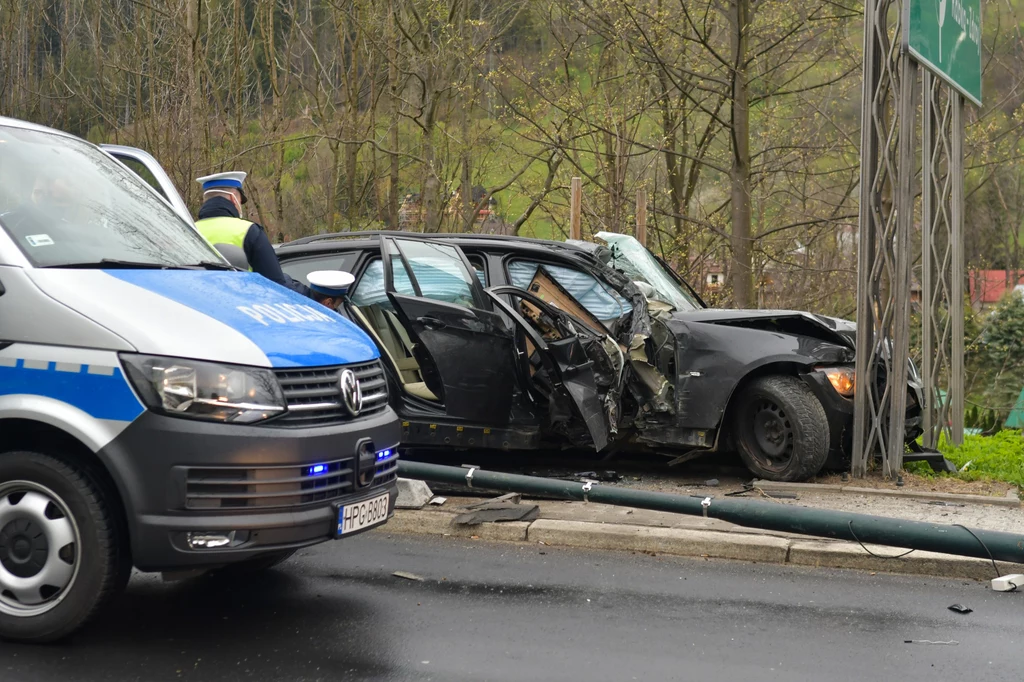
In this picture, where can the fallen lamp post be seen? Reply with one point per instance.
(823, 523)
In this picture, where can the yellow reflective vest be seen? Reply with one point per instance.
(224, 230)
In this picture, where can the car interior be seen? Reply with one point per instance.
(370, 303)
(391, 335)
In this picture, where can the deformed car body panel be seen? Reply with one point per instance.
(794, 322)
(713, 359)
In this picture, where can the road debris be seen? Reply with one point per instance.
(408, 576)
(599, 476)
(412, 494)
(498, 512)
(960, 608)
(928, 641)
(512, 498)
(438, 500)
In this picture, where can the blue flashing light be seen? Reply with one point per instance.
(317, 470)
(384, 454)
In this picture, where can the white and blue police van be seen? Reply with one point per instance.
(160, 408)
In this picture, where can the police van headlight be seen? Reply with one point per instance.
(205, 390)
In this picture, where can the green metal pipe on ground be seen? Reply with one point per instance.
(823, 523)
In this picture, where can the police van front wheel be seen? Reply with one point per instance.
(60, 558)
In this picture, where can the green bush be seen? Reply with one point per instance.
(999, 457)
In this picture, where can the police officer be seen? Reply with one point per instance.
(220, 222)
(329, 287)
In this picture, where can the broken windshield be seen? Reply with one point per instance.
(634, 261)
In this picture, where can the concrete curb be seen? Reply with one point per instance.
(425, 522)
(678, 541)
(700, 543)
(1011, 499)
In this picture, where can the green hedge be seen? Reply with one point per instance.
(999, 457)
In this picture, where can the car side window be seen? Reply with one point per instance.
(299, 268)
(601, 301)
(438, 269)
(478, 269)
(371, 289)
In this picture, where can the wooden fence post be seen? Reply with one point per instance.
(575, 207)
(641, 216)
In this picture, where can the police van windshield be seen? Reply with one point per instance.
(66, 204)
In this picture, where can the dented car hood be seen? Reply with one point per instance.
(832, 329)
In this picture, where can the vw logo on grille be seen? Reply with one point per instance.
(351, 393)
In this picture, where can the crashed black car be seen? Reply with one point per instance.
(511, 343)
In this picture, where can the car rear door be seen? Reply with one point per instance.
(465, 350)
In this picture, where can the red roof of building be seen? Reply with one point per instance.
(988, 286)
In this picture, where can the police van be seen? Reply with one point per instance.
(160, 408)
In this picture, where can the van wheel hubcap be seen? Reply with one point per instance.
(40, 549)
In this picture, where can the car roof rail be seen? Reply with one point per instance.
(340, 236)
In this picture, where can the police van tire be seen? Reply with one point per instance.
(67, 504)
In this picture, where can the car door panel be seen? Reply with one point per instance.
(469, 356)
(466, 352)
(566, 358)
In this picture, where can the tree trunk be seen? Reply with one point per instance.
(739, 173)
(467, 176)
(393, 105)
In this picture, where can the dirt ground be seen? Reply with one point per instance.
(914, 482)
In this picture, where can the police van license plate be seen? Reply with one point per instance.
(359, 515)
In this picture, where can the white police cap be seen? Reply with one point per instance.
(228, 180)
(330, 282)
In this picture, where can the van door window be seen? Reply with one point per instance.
(140, 169)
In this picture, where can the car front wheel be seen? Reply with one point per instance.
(781, 429)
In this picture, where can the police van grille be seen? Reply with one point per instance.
(314, 395)
(266, 487)
(386, 471)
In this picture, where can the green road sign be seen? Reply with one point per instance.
(945, 36)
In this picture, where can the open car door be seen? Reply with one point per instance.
(465, 351)
(582, 366)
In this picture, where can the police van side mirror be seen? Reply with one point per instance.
(234, 255)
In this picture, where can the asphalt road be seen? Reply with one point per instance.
(516, 612)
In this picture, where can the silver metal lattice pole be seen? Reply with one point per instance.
(956, 307)
(942, 263)
(886, 217)
(928, 214)
(896, 377)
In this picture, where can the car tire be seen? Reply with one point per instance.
(48, 591)
(780, 429)
(264, 562)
